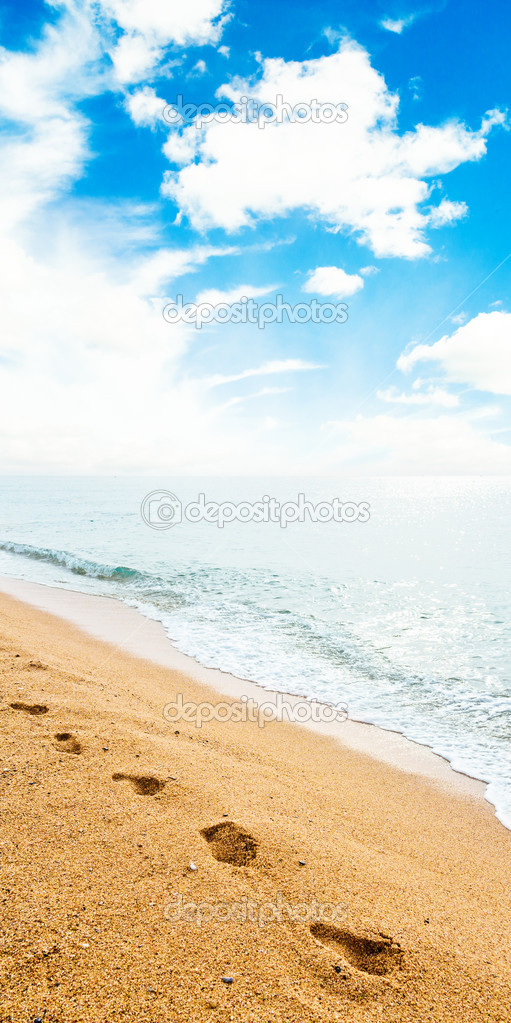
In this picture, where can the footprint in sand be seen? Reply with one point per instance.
(68, 743)
(145, 785)
(230, 844)
(377, 956)
(31, 708)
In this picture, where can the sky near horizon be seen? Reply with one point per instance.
(400, 209)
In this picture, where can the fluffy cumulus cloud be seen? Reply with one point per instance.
(144, 106)
(133, 58)
(358, 175)
(477, 354)
(332, 280)
(149, 26)
(447, 213)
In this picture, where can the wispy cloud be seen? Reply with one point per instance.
(165, 265)
(214, 296)
(267, 369)
(395, 444)
(433, 396)
(265, 392)
(332, 280)
(415, 87)
(398, 25)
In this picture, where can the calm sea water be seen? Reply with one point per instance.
(406, 617)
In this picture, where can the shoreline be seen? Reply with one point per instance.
(131, 631)
(159, 874)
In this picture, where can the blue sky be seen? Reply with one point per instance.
(109, 213)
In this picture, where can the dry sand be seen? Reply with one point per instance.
(105, 806)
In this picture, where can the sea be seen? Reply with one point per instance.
(400, 609)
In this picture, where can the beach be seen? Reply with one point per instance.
(255, 547)
(153, 871)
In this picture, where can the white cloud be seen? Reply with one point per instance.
(361, 177)
(37, 166)
(81, 351)
(478, 353)
(429, 151)
(433, 396)
(164, 265)
(41, 82)
(224, 51)
(213, 296)
(44, 139)
(194, 22)
(152, 25)
(133, 58)
(447, 212)
(145, 107)
(91, 375)
(398, 24)
(265, 392)
(73, 307)
(331, 280)
(333, 35)
(267, 369)
(82, 306)
(270, 390)
(393, 445)
(181, 145)
(415, 87)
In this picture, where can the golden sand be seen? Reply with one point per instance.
(153, 872)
